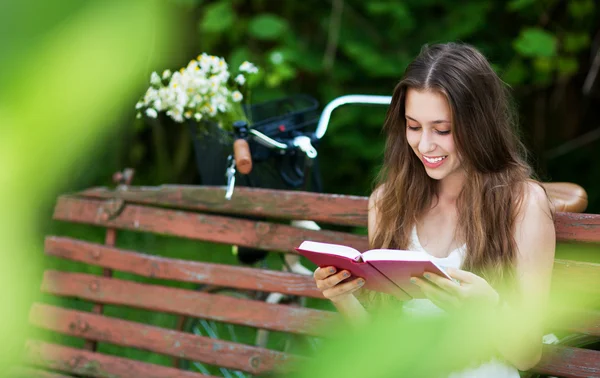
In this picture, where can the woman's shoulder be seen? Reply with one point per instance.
(534, 198)
(376, 196)
(535, 205)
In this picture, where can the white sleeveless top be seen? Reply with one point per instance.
(424, 307)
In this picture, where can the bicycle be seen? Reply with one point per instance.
(566, 196)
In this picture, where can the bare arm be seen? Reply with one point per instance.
(536, 241)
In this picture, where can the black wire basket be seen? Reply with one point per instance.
(282, 120)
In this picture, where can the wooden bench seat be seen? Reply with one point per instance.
(202, 214)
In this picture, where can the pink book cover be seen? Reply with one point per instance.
(384, 270)
(374, 280)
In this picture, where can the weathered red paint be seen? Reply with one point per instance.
(181, 270)
(577, 227)
(569, 362)
(91, 364)
(326, 208)
(213, 228)
(155, 339)
(186, 302)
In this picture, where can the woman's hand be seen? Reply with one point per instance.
(470, 290)
(331, 285)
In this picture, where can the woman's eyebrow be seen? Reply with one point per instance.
(436, 122)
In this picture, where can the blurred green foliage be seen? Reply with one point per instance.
(542, 48)
(67, 78)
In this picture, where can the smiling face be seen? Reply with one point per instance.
(429, 133)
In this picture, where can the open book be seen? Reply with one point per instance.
(384, 270)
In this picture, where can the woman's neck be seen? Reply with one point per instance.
(449, 187)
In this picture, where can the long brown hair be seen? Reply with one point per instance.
(483, 127)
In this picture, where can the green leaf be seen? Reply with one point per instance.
(267, 27)
(580, 9)
(535, 42)
(516, 72)
(516, 5)
(574, 42)
(567, 65)
(543, 65)
(218, 17)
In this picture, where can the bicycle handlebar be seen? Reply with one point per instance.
(323, 121)
(343, 100)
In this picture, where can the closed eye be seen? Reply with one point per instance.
(414, 128)
(443, 132)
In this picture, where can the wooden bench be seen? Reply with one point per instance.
(202, 214)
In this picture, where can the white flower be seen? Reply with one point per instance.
(248, 67)
(237, 96)
(152, 113)
(240, 79)
(201, 90)
(155, 79)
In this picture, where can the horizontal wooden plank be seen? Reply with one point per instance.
(577, 227)
(158, 340)
(569, 362)
(91, 364)
(326, 208)
(187, 302)
(212, 228)
(181, 270)
(28, 372)
(348, 210)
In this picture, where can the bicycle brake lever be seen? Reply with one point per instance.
(304, 144)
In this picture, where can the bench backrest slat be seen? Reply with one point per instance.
(342, 210)
(569, 362)
(212, 228)
(185, 302)
(181, 270)
(159, 340)
(90, 364)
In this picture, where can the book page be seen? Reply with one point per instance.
(395, 255)
(332, 249)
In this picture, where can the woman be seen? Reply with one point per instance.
(455, 184)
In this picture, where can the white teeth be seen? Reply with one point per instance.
(434, 160)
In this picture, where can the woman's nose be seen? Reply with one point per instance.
(426, 143)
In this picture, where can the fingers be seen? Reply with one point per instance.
(461, 275)
(322, 273)
(332, 280)
(439, 297)
(343, 289)
(444, 283)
